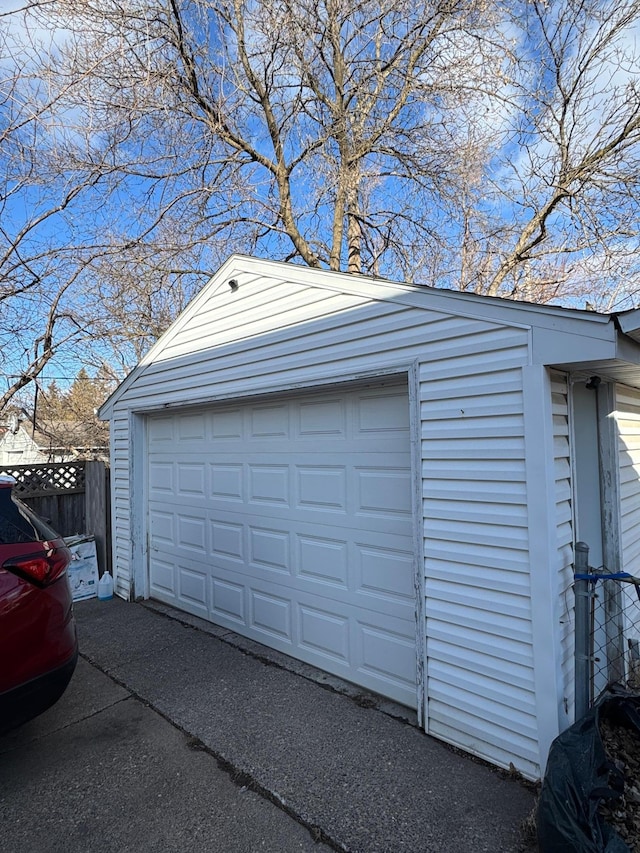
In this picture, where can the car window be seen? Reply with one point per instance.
(19, 524)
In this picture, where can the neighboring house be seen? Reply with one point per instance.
(21, 444)
(385, 481)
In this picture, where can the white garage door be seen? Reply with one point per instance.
(290, 522)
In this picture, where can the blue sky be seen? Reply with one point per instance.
(115, 212)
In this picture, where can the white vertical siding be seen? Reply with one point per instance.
(628, 421)
(565, 539)
(121, 448)
(480, 680)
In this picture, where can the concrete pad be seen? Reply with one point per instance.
(124, 779)
(368, 781)
(89, 691)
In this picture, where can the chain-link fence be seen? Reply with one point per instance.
(607, 630)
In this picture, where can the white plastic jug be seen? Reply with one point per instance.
(105, 587)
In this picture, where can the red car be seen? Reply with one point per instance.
(38, 640)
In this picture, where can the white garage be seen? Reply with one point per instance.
(385, 481)
(290, 522)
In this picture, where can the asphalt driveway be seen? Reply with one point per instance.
(176, 735)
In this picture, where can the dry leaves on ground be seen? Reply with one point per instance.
(622, 746)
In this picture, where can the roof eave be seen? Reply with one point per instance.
(629, 323)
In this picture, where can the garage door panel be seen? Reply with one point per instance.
(290, 522)
(321, 488)
(226, 482)
(192, 586)
(264, 447)
(161, 526)
(361, 575)
(228, 601)
(370, 523)
(381, 646)
(192, 427)
(385, 573)
(227, 540)
(269, 421)
(163, 574)
(322, 560)
(161, 478)
(269, 549)
(325, 634)
(269, 484)
(191, 533)
(270, 614)
(377, 586)
(160, 430)
(388, 656)
(185, 604)
(190, 478)
(330, 597)
(321, 419)
(384, 491)
(226, 424)
(382, 413)
(325, 518)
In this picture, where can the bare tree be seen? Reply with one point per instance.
(305, 132)
(67, 418)
(500, 141)
(44, 171)
(144, 288)
(484, 146)
(570, 179)
(310, 131)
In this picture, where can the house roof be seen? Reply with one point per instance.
(60, 435)
(574, 339)
(69, 433)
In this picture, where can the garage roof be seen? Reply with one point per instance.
(581, 341)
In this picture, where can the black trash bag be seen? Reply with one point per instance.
(579, 777)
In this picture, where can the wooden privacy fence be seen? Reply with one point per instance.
(72, 496)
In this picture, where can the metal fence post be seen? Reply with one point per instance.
(582, 592)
